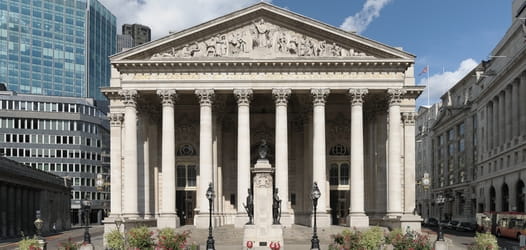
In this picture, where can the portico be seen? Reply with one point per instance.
(328, 103)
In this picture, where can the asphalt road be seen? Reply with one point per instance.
(463, 240)
(53, 241)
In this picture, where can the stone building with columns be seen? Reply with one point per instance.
(192, 108)
(501, 110)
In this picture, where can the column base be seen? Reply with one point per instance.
(411, 222)
(322, 220)
(241, 220)
(358, 220)
(168, 220)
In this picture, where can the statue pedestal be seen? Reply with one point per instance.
(263, 233)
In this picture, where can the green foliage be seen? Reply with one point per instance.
(484, 241)
(409, 240)
(140, 238)
(372, 238)
(115, 240)
(68, 245)
(28, 243)
(170, 240)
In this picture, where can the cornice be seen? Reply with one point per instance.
(399, 65)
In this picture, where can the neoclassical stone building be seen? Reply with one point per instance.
(192, 108)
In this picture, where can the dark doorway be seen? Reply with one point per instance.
(519, 192)
(185, 206)
(492, 195)
(505, 198)
(339, 206)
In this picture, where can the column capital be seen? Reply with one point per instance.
(357, 95)
(129, 96)
(319, 96)
(395, 96)
(116, 119)
(409, 118)
(206, 96)
(168, 96)
(243, 96)
(281, 96)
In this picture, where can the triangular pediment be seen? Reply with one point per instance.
(262, 31)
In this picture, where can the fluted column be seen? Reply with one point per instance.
(508, 115)
(394, 196)
(281, 97)
(502, 118)
(357, 217)
(522, 108)
(206, 98)
(409, 161)
(489, 131)
(319, 98)
(168, 216)
(243, 97)
(131, 205)
(147, 159)
(496, 124)
(515, 109)
(116, 120)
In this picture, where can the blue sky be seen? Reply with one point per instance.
(449, 35)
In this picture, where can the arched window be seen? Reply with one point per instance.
(339, 149)
(186, 150)
(339, 174)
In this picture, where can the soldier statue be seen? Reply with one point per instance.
(276, 207)
(249, 207)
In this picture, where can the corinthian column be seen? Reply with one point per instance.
(281, 97)
(357, 217)
(394, 179)
(131, 204)
(168, 217)
(243, 97)
(319, 98)
(206, 97)
(116, 168)
(409, 161)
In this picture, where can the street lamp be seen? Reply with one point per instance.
(315, 195)
(440, 200)
(38, 225)
(87, 236)
(118, 222)
(210, 197)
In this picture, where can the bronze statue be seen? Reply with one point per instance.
(276, 207)
(249, 207)
(263, 149)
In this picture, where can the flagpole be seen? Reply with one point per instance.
(428, 85)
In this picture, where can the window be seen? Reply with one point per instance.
(186, 176)
(339, 174)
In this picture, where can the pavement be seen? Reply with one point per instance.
(227, 237)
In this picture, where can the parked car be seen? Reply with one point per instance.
(452, 224)
(466, 227)
(432, 222)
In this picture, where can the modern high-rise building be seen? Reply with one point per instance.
(66, 136)
(124, 42)
(58, 48)
(140, 33)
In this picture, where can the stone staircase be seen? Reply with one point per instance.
(227, 237)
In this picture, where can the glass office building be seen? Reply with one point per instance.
(56, 47)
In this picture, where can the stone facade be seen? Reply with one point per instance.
(193, 107)
(23, 191)
(479, 138)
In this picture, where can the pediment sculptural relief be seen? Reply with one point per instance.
(260, 39)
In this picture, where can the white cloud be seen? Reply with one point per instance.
(359, 22)
(163, 16)
(440, 83)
